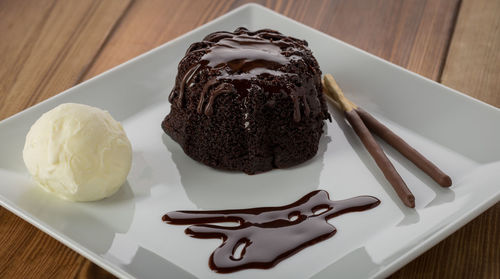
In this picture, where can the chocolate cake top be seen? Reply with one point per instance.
(236, 60)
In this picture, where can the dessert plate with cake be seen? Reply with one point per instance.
(226, 134)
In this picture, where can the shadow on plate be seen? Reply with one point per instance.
(146, 264)
(349, 266)
(90, 224)
(209, 188)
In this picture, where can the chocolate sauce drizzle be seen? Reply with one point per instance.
(241, 56)
(268, 234)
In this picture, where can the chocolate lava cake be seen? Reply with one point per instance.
(248, 101)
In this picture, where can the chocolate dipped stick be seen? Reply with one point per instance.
(395, 141)
(404, 148)
(385, 165)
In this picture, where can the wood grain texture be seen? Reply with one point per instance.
(26, 252)
(414, 34)
(50, 44)
(473, 60)
(471, 252)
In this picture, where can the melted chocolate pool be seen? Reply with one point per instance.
(268, 234)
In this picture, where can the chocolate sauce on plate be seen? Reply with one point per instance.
(268, 234)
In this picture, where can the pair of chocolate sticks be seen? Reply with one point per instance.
(363, 123)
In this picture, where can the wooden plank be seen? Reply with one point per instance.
(50, 47)
(473, 64)
(26, 252)
(413, 34)
(471, 252)
(45, 46)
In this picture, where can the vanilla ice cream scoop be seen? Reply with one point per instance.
(78, 152)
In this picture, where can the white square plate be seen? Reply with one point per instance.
(125, 235)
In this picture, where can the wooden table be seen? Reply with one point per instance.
(47, 46)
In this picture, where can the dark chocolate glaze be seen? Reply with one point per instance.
(269, 234)
(241, 57)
